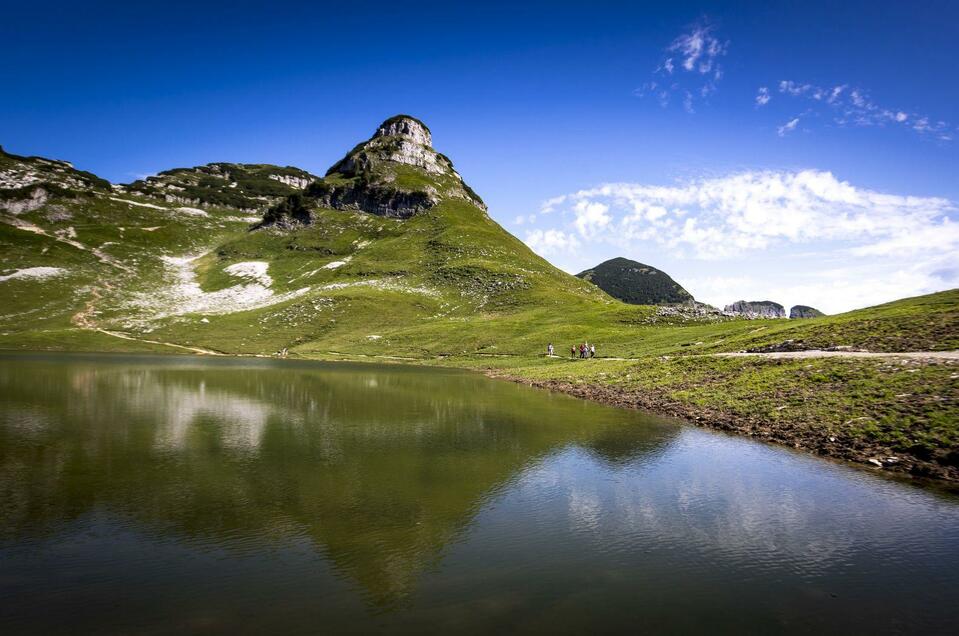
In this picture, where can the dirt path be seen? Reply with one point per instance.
(116, 334)
(816, 353)
(83, 320)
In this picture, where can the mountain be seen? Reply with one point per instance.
(802, 311)
(390, 251)
(396, 173)
(756, 309)
(636, 283)
(238, 185)
(389, 254)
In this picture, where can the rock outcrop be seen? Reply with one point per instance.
(27, 179)
(245, 186)
(636, 283)
(396, 173)
(803, 311)
(756, 309)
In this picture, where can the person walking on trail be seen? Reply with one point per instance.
(592, 351)
(549, 350)
(572, 351)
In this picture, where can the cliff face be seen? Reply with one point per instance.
(756, 309)
(396, 173)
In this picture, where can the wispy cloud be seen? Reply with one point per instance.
(788, 127)
(690, 68)
(762, 96)
(846, 106)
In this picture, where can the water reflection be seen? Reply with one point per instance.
(380, 468)
(228, 495)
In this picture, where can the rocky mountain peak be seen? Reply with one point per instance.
(405, 126)
(398, 140)
(395, 173)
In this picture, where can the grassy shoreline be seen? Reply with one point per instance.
(885, 414)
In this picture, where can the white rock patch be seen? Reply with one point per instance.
(185, 296)
(242, 219)
(192, 211)
(256, 270)
(36, 273)
(137, 203)
(335, 264)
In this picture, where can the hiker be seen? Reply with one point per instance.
(592, 351)
(549, 350)
(572, 351)
(582, 351)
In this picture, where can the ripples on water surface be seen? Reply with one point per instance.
(159, 495)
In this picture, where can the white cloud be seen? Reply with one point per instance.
(699, 49)
(546, 242)
(762, 96)
(591, 217)
(854, 107)
(754, 210)
(690, 67)
(787, 127)
(804, 237)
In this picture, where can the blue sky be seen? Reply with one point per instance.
(591, 129)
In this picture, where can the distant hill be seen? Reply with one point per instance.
(636, 283)
(803, 311)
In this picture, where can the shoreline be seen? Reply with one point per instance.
(876, 457)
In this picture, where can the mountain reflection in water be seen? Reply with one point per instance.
(170, 494)
(380, 468)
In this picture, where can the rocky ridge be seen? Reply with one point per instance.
(396, 173)
(26, 183)
(242, 186)
(755, 309)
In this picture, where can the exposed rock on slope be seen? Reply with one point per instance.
(803, 311)
(242, 186)
(636, 283)
(756, 309)
(27, 182)
(396, 173)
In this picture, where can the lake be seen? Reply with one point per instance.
(154, 494)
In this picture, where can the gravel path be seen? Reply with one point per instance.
(816, 353)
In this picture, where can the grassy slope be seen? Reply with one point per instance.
(451, 287)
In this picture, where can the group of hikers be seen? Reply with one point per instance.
(584, 350)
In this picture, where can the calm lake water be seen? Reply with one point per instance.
(170, 495)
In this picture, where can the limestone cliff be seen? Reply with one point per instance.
(756, 309)
(396, 173)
